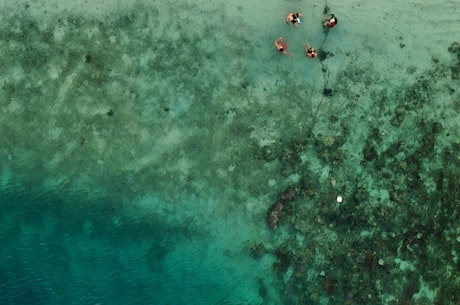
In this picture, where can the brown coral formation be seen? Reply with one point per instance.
(274, 214)
(275, 211)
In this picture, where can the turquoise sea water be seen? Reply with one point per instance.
(163, 152)
(56, 251)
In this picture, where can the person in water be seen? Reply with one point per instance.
(293, 18)
(331, 21)
(310, 52)
(281, 46)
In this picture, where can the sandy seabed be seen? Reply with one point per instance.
(153, 137)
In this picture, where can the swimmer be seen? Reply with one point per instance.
(331, 21)
(281, 46)
(310, 52)
(293, 18)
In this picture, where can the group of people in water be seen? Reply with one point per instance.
(329, 22)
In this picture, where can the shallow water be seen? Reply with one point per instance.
(143, 145)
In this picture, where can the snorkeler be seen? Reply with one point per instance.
(310, 52)
(331, 21)
(294, 18)
(281, 46)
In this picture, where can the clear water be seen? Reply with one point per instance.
(143, 145)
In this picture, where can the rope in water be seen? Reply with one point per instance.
(325, 72)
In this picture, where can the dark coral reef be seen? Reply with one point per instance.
(395, 239)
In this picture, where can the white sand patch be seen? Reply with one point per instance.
(55, 133)
(59, 34)
(16, 73)
(66, 86)
(15, 106)
(54, 72)
(163, 145)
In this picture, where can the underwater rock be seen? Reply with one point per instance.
(361, 194)
(274, 214)
(283, 256)
(455, 49)
(288, 195)
(257, 250)
(436, 127)
(455, 69)
(331, 285)
(327, 141)
(269, 153)
(322, 55)
(327, 92)
(399, 115)
(307, 189)
(369, 152)
(276, 210)
(333, 118)
(289, 155)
